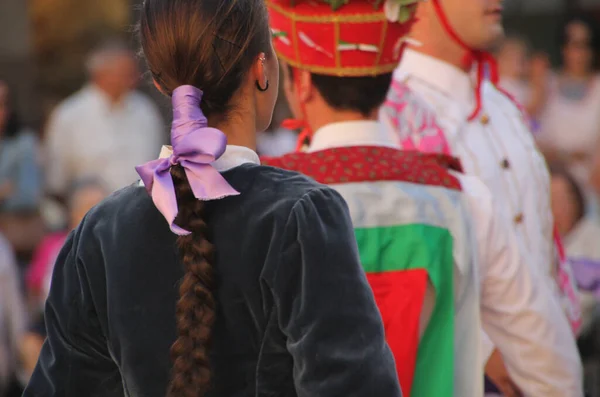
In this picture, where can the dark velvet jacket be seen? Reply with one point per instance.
(295, 317)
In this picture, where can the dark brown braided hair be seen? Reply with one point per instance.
(210, 44)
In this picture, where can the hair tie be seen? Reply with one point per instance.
(195, 147)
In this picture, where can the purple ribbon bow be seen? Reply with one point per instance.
(195, 147)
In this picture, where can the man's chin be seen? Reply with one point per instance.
(495, 35)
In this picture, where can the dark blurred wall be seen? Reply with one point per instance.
(542, 29)
(63, 32)
(16, 57)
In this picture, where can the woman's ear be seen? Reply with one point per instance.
(260, 70)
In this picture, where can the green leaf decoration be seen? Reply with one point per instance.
(405, 14)
(336, 4)
(406, 9)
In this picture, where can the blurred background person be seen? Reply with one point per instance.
(570, 117)
(43, 59)
(83, 195)
(523, 75)
(12, 321)
(106, 128)
(20, 177)
(581, 236)
(513, 62)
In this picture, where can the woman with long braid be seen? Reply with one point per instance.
(253, 284)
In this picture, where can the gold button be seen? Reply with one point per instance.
(485, 119)
(505, 164)
(519, 218)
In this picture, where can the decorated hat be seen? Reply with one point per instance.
(341, 37)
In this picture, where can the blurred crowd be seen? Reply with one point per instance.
(564, 107)
(91, 142)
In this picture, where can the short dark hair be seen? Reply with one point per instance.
(584, 19)
(359, 94)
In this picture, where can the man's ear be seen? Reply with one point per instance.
(305, 86)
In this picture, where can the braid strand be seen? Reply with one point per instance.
(191, 374)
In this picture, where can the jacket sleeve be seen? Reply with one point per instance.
(74, 360)
(520, 314)
(326, 308)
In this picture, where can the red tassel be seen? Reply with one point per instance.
(295, 124)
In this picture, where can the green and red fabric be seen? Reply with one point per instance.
(399, 203)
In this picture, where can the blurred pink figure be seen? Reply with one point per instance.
(570, 120)
(84, 195)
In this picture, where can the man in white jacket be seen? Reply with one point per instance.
(436, 104)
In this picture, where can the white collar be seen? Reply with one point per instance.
(441, 75)
(234, 156)
(352, 133)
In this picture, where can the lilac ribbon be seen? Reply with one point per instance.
(587, 274)
(195, 147)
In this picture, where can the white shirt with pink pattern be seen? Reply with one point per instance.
(428, 108)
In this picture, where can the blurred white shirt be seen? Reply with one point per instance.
(499, 149)
(88, 136)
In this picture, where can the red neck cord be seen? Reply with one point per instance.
(482, 58)
(298, 124)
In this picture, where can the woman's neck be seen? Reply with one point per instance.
(240, 130)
